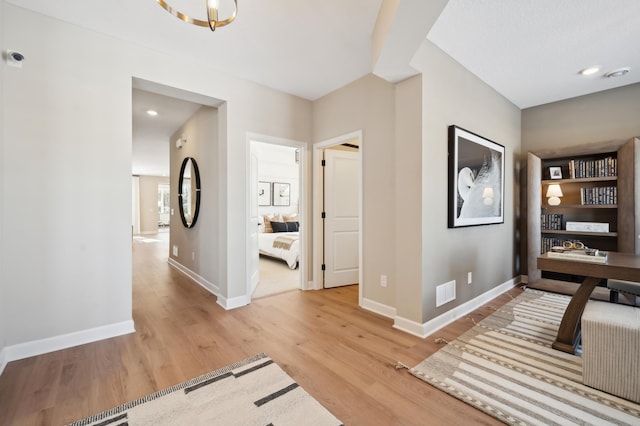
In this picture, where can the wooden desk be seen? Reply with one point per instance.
(621, 266)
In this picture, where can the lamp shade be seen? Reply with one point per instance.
(554, 190)
(554, 193)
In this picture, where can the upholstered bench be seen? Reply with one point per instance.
(611, 349)
(628, 287)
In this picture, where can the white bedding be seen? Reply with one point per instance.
(290, 255)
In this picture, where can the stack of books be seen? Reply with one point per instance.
(599, 196)
(604, 167)
(551, 221)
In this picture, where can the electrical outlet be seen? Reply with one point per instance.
(383, 280)
(469, 278)
(175, 250)
(193, 255)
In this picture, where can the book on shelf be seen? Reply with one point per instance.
(548, 242)
(599, 195)
(551, 221)
(603, 167)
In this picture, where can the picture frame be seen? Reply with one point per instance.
(264, 193)
(555, 172)
(476, 179)
(281, 194)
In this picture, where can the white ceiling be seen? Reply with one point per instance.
(530, 51)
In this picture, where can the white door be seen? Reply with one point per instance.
(252, 246)
(341, 224)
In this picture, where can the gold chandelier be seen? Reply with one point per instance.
(212, 21)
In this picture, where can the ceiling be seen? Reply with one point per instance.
(530, 51)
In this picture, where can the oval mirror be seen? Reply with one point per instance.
(189, 192)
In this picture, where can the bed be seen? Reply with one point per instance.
(281, 245)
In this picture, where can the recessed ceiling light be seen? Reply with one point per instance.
(152, 112)
(590, 70)
(617, 73)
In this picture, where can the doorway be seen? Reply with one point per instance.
(349, 210)
(276, 233)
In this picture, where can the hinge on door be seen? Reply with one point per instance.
(324, 215)
(324, 267)
(324, 163)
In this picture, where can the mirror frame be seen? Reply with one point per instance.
(196, 210)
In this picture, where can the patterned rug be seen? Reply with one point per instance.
(505, 366)
(255, 391)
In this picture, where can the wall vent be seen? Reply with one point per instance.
(445, 293)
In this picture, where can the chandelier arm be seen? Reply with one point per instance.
(212, 25)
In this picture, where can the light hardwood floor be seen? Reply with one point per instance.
(342, 355)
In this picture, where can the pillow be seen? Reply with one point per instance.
(267, 225)
(268, 220)
(291, 218)
(285, 226)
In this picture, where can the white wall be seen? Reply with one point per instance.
(149, 215)
(368, 104)
(453, 95)
(277, 163)
(66, 249)
(3, 297)
(195, 249)
(408, 203)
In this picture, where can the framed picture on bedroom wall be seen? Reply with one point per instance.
(264, 193)
(281, 194)
(476, 179)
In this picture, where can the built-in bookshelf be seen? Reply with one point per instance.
(597, 184)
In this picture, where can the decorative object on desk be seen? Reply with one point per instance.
(555, 172)
(585, 254)
(554, 192)
(264, 193)
(255, 391)
(505, 367)
(573, 245)
(476, 179)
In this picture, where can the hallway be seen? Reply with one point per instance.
(341, 354)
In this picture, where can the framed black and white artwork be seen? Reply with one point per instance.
(476, 179)
(281, 194)
(555, 172)
(264, 193)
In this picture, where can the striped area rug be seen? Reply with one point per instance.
(255, 391)
(505, 366)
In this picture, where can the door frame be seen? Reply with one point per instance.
(302, 203)
(318, 190)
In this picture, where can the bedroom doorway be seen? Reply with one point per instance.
(275, 233)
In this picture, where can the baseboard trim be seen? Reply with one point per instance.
(378, 308)
(425, 329)
(64, 341)
(234, 302)
(201, 281)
